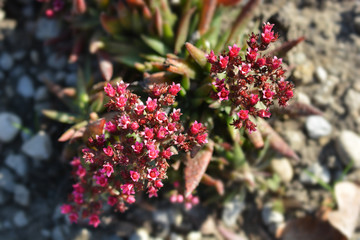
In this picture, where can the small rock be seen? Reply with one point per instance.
(59, 76)
(20, 219)
(6, 180)
(34, 56)
(317, 126)
(357, 24)
(270, 216)
(19, 55)
(195, 235)
(57, 62)
(17, 72)
(60, 232)
(2, 14)
(9, 125)
(25, 87)
(4, 197)
(347, 146)
(317, 172)
(6, 61)
(71, 79)
(21, 195)
(17, 162)
(303, 98)
(283, 168)
(41, 94)
(38, 147)
(47, 28)
(45, 233)
(304, 72)
(140, 234)
(161, 223)
(84, 234)
(352, 100)
(321, 74)
(232, 210)
(174, 236)
(296, 139)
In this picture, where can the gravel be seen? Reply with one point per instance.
(22, 195)
(20, 219)
(347, 146)
(317, 126)
(315, 173)
(25, 87)
(38, 147)
(283, 168)
(6, 61)
(9, 125)
(6, 180)
(47, 28)
(17, 162)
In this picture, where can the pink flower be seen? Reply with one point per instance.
(167, 153)
(173, 198)
(134, 126)
(108, 169)
(112, 200)
(78, 188)
(139, 109)
(65, 208)
(153, 153)
(195, 200)
(121, 87)
(102, 181)
(254, 98)
(152, 192)
(121, 101)
(110, 127)
(243, 114)
(180, 198)
(158, 183)
(161, 133)
(128, 188)
(234, 50)
(130, 199)
(175, 115)
(148, 133)
(289, 93)
(195, 128)
(109, 90)
(152, 174)
(108, 151)
(223, 61)
(81, 172)
(276, 62)
(124, 121)
(251, 54)
(135, 176)
(268, 94)
(78, 198)
(262, 113)
(267, 37)
(211, 57)
(260, 62)
(171, 127)
(137, 147)
(151, 105)
(223, 94)
(188, 205)
(160, 116)
(201, 138)
(94, 220)
(174, 89)
(73, 217)
(244, 68)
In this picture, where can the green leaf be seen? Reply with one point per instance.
(62, 117)
(157, 45)
(183, 30)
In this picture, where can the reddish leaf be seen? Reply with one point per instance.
(287, 46)
(183, 29)
(93, 129)
(158, 22)
(180, 67)
(76, 50)
(67, 135)
(276, 142)
(110, 24)
(298, 109)
(228, 2)
(210, 181)
(196, 167)
(79, 7)
(105, 65)
(207, 14)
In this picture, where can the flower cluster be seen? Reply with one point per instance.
(132, 155)
(177, 197)
(252, 82)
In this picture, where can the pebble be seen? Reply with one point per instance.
(352, 101)
(283, 168)
(9, 125)
(21, 195)
(41, 94)
(317, 172)
(321, 74)
(34, 56)
(60, 232)
(2, 76)
(317, 126)
(47, 28)
(303, 98)
(161, 223)
(296, 139)
(194, 235)
(270, 216)
(84, 234)
(174, 236)
(357, 24)
(59, 76)
(304, 72)
(3, 197)
(6, 180)
(19, 55)
(347, 146)
(38, 147)
(71, 79)
(232, 210)
(20, 219)
(17, 162)
(25, 87)
(57, 62)
(140, 234)
(17, 72)
(6, 61)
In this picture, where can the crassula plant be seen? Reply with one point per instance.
(133, 152)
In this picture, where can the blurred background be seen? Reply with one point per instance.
(297, 202)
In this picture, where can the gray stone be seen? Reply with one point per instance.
(6, 180)
(34, 56)
(6, 61)
(4, 197)
(17, 72)
(45, 75)
(317, 126)
(303, 98)
(347, 146)
(41, 94)
(47, 28)
(38, 147)
(315, 173)
(9, 125)
(84, 234)
(283, 168)
(71, 79)
(321, 74)
(20, 219)
(25, 87)
(304, 72)
(17, 162)
(269, 216)
(21, 195)
(45, 233)
(19, 55)
(59, 76)
(352, 101)
(2, 14)
(232, 210)
(162, 222)
(60, 232)
(57, 62)
(357, 24)
(174, 236)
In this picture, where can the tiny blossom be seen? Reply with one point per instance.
(268, 94)
(175, 115)
(121, 101)
(109, 90)
(130, 199)
(108, 151)
(211, 57)
(223, 94)
(202, 138)
(243, 114)
(151, 104)
(102, 181)
(224, 61)
(234, 50)
(264, 113)
(245, 68)
(108, 169)
(276, 62)
(65, 208)
(158, 183)
(110, 127)
(167, 153)
(174, 89)
(112, 200)
(195, 127)
(124, 121)
(137, 147)
(128, 189)
(160, 116)
(161, 133)
(94, 220)
(81, 171)
(152, 174)
(134, 126)
(148, 133)
(152, 192)
(139, 109)
(180, 198)
(135, 176)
